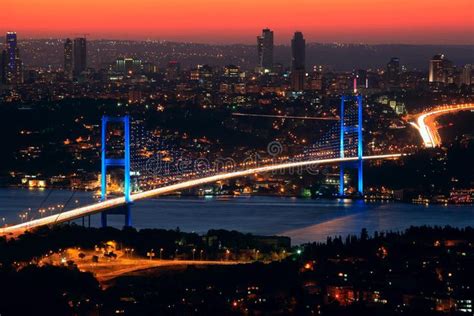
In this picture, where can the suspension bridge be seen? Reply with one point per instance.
(151, 167)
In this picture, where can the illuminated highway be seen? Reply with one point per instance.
(105, 269)
(426, 122)
(114, 202)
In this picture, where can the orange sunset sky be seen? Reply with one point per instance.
(231, 21)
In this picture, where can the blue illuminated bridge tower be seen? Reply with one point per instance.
(351, 140)
(123, 162)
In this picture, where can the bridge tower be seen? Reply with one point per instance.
(114, 162)
(351, 126)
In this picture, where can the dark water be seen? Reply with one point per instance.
(303, 220)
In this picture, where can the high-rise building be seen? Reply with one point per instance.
(79, 56)
(3, 64)
(316, 82)
(265, 49)
(393, 72)
(440, 69)
(298, 51)
(361, 80)
(231, 71)
(466, 75)
(128, 65)
(13, 70)
(173, 70)
(68, 58)
(298, 60)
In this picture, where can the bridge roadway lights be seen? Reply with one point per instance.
(358, 164)
(114, 162)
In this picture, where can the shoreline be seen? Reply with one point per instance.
(205, 196)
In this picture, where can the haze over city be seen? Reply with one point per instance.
(215, 21)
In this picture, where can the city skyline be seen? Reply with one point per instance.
(213, 22)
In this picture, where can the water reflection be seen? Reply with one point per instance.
(303, 220)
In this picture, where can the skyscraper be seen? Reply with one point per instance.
(440, 68)
(265, 49)
(298, 60)
(466, 75)
(173, 70)
(393, 72)
(298, 51)
(68, 58)
(3, 64)
(79, 56)
(13, 67)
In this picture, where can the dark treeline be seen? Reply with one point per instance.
(428, 171)
(408, 243)
(47, 290)
(41, 241)
(408, 272)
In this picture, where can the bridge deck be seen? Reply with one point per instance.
(102, 206)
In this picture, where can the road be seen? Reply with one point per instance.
(426, 122)
(111, 203)
(108, 269)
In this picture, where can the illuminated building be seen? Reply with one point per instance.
(344, 295)
(231, 71)
(173, 70)
(466, 75)
(202, 74)
(393, 72)
(316, 83)
(68, 58)
(440, 69)
(13, 66)
(298, 59)
(128, 65)
(265, 50)
(80, 56)
(361, 78)
(149, 68)
(3, 63)
(397, 106)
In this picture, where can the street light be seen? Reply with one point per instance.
(161, 253)
(150, 254)
(227, 254)
(201, 253)
(194, 251)
(283, 254)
